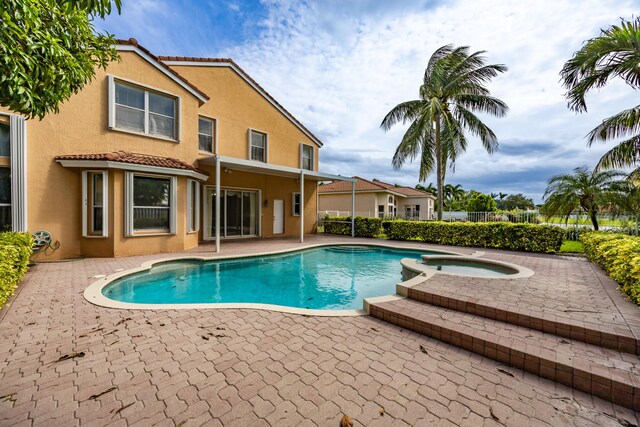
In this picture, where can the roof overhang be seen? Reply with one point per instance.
(106, 164)
(363, 192)
(252, 166)
(253, 84)
(163, 70)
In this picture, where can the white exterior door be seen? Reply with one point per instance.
(278, 216)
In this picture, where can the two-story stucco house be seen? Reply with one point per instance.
(157, 154)
(375, 199)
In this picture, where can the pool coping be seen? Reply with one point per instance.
(93, 293)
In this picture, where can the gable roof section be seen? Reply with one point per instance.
(132, 45)
(364, 185)
(226, 62)
(407, 191)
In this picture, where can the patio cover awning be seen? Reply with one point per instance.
(253, 166)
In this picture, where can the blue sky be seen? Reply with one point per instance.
(340, 66)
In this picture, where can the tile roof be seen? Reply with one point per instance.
(366, 185)
(134, 42)
(246, 76)
(134, 158)
(407, 191)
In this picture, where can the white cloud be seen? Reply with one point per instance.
(340, 66)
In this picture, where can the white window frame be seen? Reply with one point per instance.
(214, 142)
(266, 145)
(128, 205)
(112, 80)
(293, 204)
(87, 228)
(313, 155)
(193, 205)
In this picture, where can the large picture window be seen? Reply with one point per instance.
(257, 146)
(206, 134)
(95, 204)
(140, 110)
(5, 199)
(150, 204)
(306, 157)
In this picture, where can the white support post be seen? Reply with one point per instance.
(353, 209)
(302, 206)
(217, 213)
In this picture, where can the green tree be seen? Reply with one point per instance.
(452, 91)
(614, 54)
(589, 190)
(429, 189)
(481, 203)
(517, 201)
(49, 50)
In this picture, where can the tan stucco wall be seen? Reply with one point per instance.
(81, 127)
(365, 203)
(426, 206)
(237, 107)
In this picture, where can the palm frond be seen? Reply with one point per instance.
(622, 124)
(402, 113)
(473, 124)
(625, 154)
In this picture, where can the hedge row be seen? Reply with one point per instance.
(501, 235)
(15, 250)
(365, 227)
(619, 255)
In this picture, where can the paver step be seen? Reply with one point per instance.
(619, 339)
(603, 372)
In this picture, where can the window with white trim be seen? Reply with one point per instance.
(5, 139)
(193, 206)
(306, 157)
(206, 134)
(95, 186)
(138, 109)
(5, 199)
(257, 146)
(296, 204)
(150, 204)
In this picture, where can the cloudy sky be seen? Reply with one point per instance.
(340, 66)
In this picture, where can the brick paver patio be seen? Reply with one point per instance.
(254, 367)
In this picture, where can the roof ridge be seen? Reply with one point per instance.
(370, 182)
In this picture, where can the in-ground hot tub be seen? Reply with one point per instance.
(462, 266)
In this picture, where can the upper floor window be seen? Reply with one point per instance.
(306, 157)
(206, 133)
(257, 146)
(140, 110)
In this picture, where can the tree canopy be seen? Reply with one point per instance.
(49, 50)
(453, 90)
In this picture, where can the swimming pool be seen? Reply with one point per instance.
(325, 278)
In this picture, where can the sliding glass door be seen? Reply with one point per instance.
(239, 213)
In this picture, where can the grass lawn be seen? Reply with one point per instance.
(606, 222)
(569, 246)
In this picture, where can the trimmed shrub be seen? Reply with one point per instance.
(500, 235)
(15, 250)
(364, 227)
(619, 255)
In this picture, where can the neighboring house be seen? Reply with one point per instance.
(375, 199)
(157, 154)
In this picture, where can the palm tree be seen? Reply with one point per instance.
(452, 90)
(429, 189)
(586, 189)
(615, 53)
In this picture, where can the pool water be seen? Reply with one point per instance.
(469, 268)
(335, 277)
